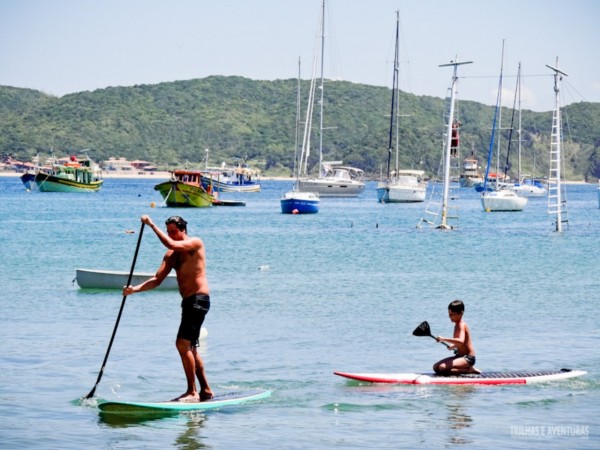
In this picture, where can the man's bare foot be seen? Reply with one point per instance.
(206, 396)
(475, 370)
(187, 398)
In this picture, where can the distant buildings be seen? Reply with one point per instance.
(8, 164)
(118, 165)
(123, 165)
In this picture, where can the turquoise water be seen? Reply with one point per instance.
(343, 290)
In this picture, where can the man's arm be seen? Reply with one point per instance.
(456, 340)
(151, 282)
(189, 244)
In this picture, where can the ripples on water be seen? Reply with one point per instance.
(343, 291)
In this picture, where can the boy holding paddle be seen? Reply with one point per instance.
(464, 359)
(186, 255)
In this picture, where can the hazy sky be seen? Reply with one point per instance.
(67, 46)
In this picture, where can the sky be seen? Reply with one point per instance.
(66, 46)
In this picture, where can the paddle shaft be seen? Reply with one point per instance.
(447, 345)
(112, 338)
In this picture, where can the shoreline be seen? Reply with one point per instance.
(160, 175)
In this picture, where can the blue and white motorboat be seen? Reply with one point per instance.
(297, 202)
(240, 178)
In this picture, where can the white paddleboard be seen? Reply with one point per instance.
(488, 378)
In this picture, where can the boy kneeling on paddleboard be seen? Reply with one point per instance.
(464, 359)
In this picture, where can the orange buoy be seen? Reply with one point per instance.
(295, 211)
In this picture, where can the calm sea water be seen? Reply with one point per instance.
(342, 290)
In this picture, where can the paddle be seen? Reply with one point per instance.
(112, 338)
(424, 330)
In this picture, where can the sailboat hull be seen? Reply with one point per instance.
(530, 190)
(389, 193)
(332, 188)
(502, 200)
(406, 186)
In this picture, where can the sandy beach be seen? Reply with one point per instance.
(159, 175)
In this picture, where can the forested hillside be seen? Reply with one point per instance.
(171, 125)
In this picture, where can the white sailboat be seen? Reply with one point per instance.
(400, 186)
(296, 201)
(530, 188)
(502, 198)
(334, 180)
(526, 186)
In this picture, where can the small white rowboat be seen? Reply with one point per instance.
(108, 279)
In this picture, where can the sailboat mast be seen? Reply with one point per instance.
(554, 180)
(322, 88)
(397, 165)
(447, 151)
(497, 112)
(519, 131)
(512, 128)
(500, 121)
(298, 113)
(393, 108)
(303, 166)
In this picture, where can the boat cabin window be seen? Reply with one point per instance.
(342, 174)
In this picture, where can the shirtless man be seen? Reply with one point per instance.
(187, 256)
(464, 359)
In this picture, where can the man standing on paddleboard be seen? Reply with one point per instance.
(464, 361)
(186, 255)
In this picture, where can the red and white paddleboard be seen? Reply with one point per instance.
(516, 377)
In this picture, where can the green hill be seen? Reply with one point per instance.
(171, 124)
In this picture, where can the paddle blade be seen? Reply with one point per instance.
(422, 330)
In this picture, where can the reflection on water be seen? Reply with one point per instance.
(458, 418)
(126, 420)
(191, 439)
